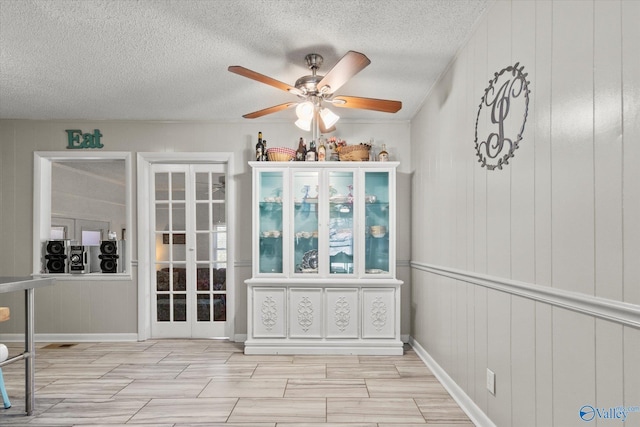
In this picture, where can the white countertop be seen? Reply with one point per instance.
(12, 284)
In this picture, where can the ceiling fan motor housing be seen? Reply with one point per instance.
(308, 84)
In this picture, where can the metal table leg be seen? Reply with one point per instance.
(30, 352)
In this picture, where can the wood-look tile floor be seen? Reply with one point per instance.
(185, 383)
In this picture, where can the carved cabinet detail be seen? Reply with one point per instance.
(270, 312)
(305, 319)
(342, 313)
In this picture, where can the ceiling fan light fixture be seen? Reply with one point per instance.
(329, 118)
(305, 125)
(304, 111)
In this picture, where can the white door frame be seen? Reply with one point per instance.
(145, 160)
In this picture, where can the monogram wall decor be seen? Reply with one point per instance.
(505, 103)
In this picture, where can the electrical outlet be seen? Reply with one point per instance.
(491, 381)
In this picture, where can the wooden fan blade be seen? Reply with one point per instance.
(348, 66)
(384, 105)
(269, 110)
(245, 72)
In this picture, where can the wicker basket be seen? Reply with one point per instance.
(280, 154)
(354, 153)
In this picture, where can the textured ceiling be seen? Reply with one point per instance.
(167, 60)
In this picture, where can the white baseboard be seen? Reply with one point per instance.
(477, 416)
(87, 337)
(71, 337)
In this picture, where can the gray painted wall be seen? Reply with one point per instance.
(110, 307)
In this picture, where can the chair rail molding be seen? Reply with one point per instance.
(620, 312)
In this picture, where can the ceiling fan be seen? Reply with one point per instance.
(314, 90)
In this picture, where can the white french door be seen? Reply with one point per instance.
(188, 248)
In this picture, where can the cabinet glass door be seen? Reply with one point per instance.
(341, 222)
(305, 222)
(376, 222)
(270, 222)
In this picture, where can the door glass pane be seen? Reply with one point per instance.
(218, 186)
(162, 307)
(177, 186)
(178, 217)
(202, 186)
(202, 216)
(179, 279)
(377, 222)
(204, 307)
(220, 278)
(219, 214)
(179, 250)
(341, 222)
(162, 247)
(220, 244)
(180, 308)
(162, 216)
(270, 222)
(203, 280)
(305, 222)
(163, 281)
(219, 307)
(202, 246)
(162, 186)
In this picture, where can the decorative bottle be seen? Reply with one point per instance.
(259, 148)
(301, 152)
(264, 150)
(322, 151)
(312, 154)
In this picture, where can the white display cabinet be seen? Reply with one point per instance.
(324, 259)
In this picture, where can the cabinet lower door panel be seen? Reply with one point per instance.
(378, 313)
(305, 314)
(342, 313)
(269, 313)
